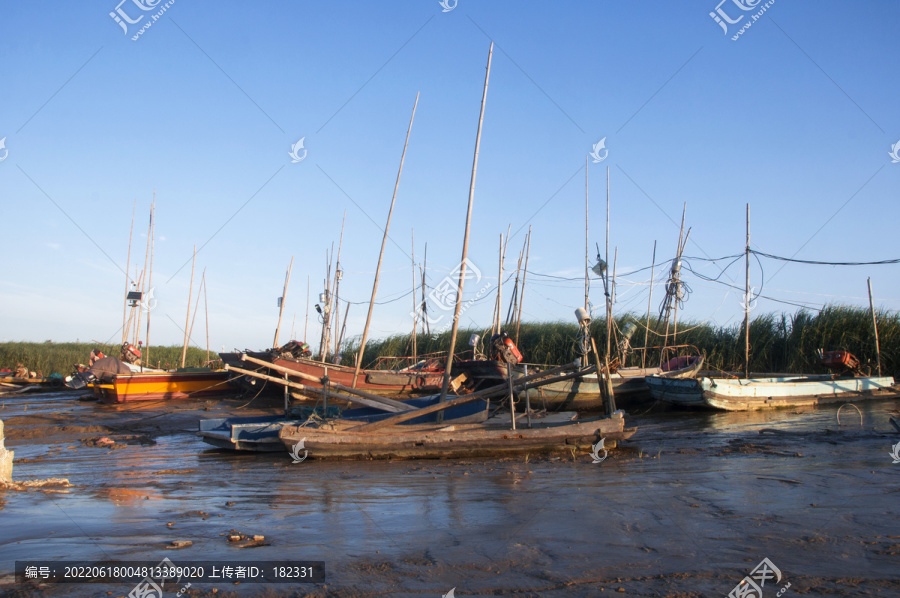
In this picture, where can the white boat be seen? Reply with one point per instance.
(747, 394)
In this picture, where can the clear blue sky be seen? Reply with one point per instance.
(796, 117)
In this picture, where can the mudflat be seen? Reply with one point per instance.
(688, 507)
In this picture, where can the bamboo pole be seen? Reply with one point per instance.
(495, 327)
(606, 273)
(326, 309)
(132, 321)
(414, 313)
(874, 326)
(338, 275)
(649, 304)
(197, 304)
(206, 316)
(524, 276)
(587, 258)
(143, 284)
(672, 286)
(462, 266)
(187, 318)
(747, 299)
(127, 277)
(426, 327)
(306, 324)
(146, 356)
(340, 338)
(610, 328)
(287, 280)
(512, 310)
(362, 345)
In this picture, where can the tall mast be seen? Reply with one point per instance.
(187, 318)
(606, 274)
(874, 326)
(137, 330)
(465, 251)
(362, 344)
(414, 313)
(146, 356)
(747, 299)
(287, 280)
(522, 294)
(338, 275)
(587, 258)
(649, 304)
(127, 277)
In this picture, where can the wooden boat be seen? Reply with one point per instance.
(421, 379)
(583, 393)
(554, 433)
(745, 394)
(261, 433)
(150, 386)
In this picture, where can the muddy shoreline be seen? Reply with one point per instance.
(686, 508)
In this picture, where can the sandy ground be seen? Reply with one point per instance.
(686, 508)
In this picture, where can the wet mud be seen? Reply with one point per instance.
(687, 508)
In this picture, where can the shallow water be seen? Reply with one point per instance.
(687, 507)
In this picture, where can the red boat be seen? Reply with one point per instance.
(424, 377)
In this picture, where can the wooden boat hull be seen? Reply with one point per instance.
(454, 441)
(386, 383)
(768, 393)
(584, 393)
(156, 386)
(261, 433)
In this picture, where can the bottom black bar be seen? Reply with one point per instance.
(167, 573)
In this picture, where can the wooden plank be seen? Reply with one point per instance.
(373, 397)
(278, 368)
(397, 405)
(520, 384)
(295, 385)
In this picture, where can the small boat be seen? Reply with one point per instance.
(261, 433)
(556, 432)
(746, 394)
(583, 393)
(419, 379)
(148, 386)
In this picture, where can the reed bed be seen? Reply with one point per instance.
(49, 357)
(778, 342)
